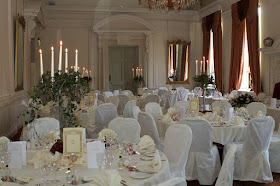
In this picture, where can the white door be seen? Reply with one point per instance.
(121, 61)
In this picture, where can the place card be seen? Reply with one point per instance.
(194, 105)
(73, 141)
(229, 113)
(92, 149)
(17, 152)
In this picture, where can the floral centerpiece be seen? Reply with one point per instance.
(242, 100)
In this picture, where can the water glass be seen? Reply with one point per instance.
(44, 170)
(100, 160)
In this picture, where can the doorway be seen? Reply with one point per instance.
(122, 59)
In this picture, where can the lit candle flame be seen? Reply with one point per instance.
(76, 51)
(66, 50)
(61, 43)
(52, 48)
(40, 51)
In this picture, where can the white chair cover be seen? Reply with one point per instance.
(152, 98)
(197, 91)
(252, 159)
(274, 154)
(163, 88)
(233, 94)
(114, 100)
(254, 107)
(222, 104)
(177, 181)
(182, 95)
(148, 92)
(169, 101)
(101, 98)
(103, 115)
(261, 96)
(136, 111)
(123, 100)
(161, 92)
(148, 127)
(127, 93)
(180, 88)
(116, 92)
(204, 161)
(107, 94)
(178, 140)
(128, 113)
(154, 109)
(126, 129)
(40, 127)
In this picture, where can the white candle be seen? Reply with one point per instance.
(90, 73)
(136, 71)
(76, 60)
(203, 66)
(41, 62)
(196, 67)
(60, 58)
(200, 67)
(141, 72)
(133, 72)
(52, 62)
(83, 71)
(208, 68)
(66, 60)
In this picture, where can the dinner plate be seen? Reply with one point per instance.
(139, 175)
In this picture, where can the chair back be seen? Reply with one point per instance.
(126, 128)
(136, 111)
(258, 134)
(128, 113)
(161, 92)
(45, 125)
(180, 88)
(127, 93)
(152, 98)
(148, 127)
(116, 92)
(182, 95)
(101, 97)
(103, 115)
(254, 107)
(197, 91)
(114, 100)
(201, 134)
(178, 140)
(123, 100)
(154, 109)
(179, 104)
(222, 104)
(107, 94)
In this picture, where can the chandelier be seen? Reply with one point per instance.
(159, 5)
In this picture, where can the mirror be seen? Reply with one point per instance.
(178, 62)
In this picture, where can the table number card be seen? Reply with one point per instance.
(73, 141)
(194, 105)
(17, 152)
(92, 149)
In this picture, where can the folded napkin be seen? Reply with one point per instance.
(156, 163)
(237, 121)
(146, 142)
(23, 179)
(260, 113)
(166, 119)
(107, 178)
(4, 140)
(171, 111)
(42, 155)
(107, 132)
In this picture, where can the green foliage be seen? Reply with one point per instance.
(242, 100)
(203, 80)
(68, 84)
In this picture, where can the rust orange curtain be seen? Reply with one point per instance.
(213, 22)
(244, 9)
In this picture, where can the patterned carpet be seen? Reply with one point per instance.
(276, 181)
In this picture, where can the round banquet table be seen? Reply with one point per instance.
(221, 134)
(80, 171)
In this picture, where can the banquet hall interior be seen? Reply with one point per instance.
(181, 92)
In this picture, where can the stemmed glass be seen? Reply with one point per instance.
(44, 170)
(100, 160)
(54, 167)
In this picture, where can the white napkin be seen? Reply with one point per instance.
(107, 178)
(146, 142)
(156, 163)
(260, 113)
(166, 119)
(24, 179)
(237, 121)
(107, 132)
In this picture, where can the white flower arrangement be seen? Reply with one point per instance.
(108, 133)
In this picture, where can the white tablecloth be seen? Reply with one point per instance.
(162, 175)
(221, 135)
(275, 113)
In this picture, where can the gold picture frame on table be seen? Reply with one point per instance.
(73, 141)
(194, 105)
(19, 53)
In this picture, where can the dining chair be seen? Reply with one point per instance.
(251, 159)
(101, 97)
(128, 113)
(178, 140)
(126, 128)
(152, 98)
(127, 93)
(162, 88)
(254, 107)
(107, 94)
(123, 100)
(116, 92)
(136, 111)
(114, 100)
(179, 104)
(182, 95)
(204, 161)
(148, 127)
(154, 109)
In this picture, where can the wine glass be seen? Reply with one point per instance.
(100, 160)
(44, 170)
(54, 168)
